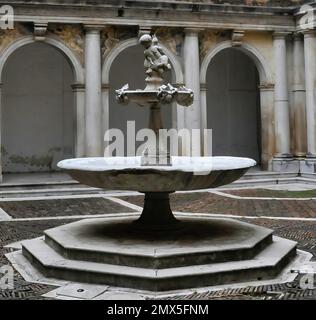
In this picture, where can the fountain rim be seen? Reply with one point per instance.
(180, 164)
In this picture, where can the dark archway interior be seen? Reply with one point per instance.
(128, 67)
(233, 105)
(37, 115)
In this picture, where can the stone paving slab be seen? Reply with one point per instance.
(62, 207)
(265, 193)
(205, 202)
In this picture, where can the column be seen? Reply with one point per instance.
(206, 145)
(79, 101)
(299, 97)
(281, 99)
(1, 176)
(310, 79)
(93, 102)
(192, 78)
(267, 125)
(105, 112)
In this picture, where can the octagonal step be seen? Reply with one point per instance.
(195, 242)
(266, 265)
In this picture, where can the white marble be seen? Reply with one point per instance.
(93, 100)
(185, 164)
(281, 99)
(185, 173)
(192, 80)
(310, 74)
(299, 112)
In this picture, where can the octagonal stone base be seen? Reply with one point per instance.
(201, 252)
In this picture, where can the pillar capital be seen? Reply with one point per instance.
(93, 28)
(78, 87)
(203, 86)
(193, 31)
(237, 37)
(309, 33)
(266, 87)
(105, 86)
(40, 30)
(143, 29)
(281, 34)
(298, 36)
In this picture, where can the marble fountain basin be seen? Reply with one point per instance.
(185, 173)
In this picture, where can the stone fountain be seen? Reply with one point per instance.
(158, 251)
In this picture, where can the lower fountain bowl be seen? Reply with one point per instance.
(185, 173)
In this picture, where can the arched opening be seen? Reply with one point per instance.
(233, 105)
(128, 67)
(37, 109)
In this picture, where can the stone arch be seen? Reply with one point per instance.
(266, 95)
(264, 70)
(67, 52)
(177, 69)
(78, 88)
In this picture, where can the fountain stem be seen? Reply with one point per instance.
(158, 154)
(157, 213)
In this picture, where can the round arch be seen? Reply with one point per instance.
(70, 56)
(266, 94)
(264, 70)
(79, 80)
(177, 69)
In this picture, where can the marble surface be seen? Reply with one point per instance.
(185, 164)
(185, 173)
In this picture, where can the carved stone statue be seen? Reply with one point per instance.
(155, 59)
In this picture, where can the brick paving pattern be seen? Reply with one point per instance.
(61, 207)
(204, 202)
(304, 232)
(16, 231)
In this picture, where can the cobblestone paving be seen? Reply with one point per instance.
(265, 193)
(204, 202)
(61, 207)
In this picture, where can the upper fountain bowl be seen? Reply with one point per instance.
(185, 173)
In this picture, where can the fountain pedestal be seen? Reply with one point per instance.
(157, 214)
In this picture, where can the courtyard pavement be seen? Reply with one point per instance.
(289, 210)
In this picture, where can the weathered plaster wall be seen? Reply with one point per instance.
(37, 110)
(263, 42)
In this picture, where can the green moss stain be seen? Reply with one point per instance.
(45, 160)
(34, 161)
(3, 151)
